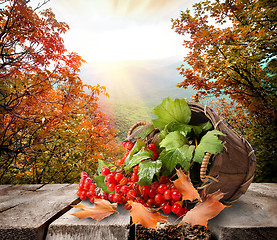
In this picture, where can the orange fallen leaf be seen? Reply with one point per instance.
(185, 187)
(147, 217)
(205, 210)
(101, 209)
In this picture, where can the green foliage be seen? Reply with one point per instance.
(204, 127)
(175, 157)
(99, 180)
(141, 132)
(147, 170)
(208, 143)
(179, 140)
(138, 157)
(170, 111)
(181, 127)
(137, 147)
(174, 140)
(177, 143)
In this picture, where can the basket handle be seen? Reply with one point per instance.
(203, 169)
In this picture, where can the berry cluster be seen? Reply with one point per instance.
(124, 187)
(161, 193)
(87, 189)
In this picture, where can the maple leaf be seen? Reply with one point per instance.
(205, 210)
(147, 217)
(170, 111)
(185, 187)
(101, 209)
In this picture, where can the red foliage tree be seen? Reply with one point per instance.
(51, 126)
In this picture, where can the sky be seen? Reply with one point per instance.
(115, 30)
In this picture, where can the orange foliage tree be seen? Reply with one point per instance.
(50, 124)
(233, 53)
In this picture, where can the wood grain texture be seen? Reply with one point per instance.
(69, 227)
(27, 210)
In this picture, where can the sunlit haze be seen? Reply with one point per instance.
(128, 46)
(105, 30)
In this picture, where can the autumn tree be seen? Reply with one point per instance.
(232, 54)
(51, 128)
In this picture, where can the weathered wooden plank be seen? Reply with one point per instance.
(50, 187)
(5, 186)
(18, 194)
(32, 211)
(253, 216)
(69, 227)
(15, 191)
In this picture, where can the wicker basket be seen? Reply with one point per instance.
(232, 169)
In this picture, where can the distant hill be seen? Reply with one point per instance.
(135, 87)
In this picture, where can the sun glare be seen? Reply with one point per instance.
(144, 42)
(120, 30)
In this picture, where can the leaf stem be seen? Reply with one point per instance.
(195, 139)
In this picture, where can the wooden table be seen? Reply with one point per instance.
(27, 210)
(43, 212)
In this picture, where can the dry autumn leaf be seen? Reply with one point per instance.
(205, 210)
(101, 209)
(148, 217)
(185, 187)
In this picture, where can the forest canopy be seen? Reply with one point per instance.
(233, 57)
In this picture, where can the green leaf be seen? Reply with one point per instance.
(206, 126)
(171, 158)
(181, 127)
(100, 183)
(163, 134)
(201, 128)
(138, 145)
(208, 143)
(169, 111)
(173, 140)
(147, 170)
(142, 154)
(102, 163)
(141, 132)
